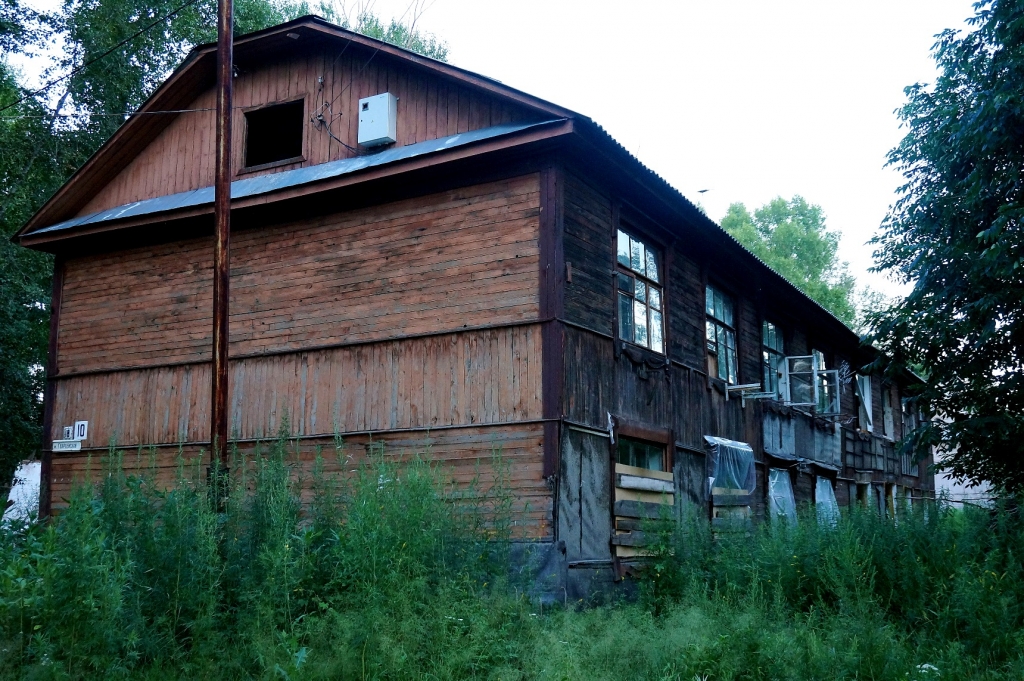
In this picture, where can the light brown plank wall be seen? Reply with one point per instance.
(474, 377)
(181, 157)
(464, 455)
(452, 260)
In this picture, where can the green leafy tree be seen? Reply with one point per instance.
(791, 237)
(956, 234)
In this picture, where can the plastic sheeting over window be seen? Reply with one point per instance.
(781, 503)
(730, 466)
(825, 501)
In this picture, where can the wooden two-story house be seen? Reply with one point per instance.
(422, 256)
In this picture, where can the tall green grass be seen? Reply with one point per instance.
(391, 572)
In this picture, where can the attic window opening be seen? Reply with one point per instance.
(273, 134)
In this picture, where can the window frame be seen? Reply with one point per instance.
(766, 356)
(628, 229)
(709, 319)
(633, 430)
(244, 149)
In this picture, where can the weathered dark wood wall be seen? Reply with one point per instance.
(464, 258)
(182, 156)
(413, 321)
(604, 376)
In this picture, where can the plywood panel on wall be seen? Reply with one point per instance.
(331, 83)
(472, 458)
(457, 259)
(474, 377)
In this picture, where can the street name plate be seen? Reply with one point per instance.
(67, 445)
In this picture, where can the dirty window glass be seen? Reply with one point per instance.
(772, 354)
(640, 454)
(639, 293)
(721, 335)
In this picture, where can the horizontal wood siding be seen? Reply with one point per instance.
(490, 376)
(472, 458)
(685, 310)
(452, 260)
(181, 158)
(588, 247)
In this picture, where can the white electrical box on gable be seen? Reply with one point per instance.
(803, 383)
(378, 120)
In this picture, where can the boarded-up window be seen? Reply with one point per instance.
(781, 503)
(731, 479)
(721, 335)
(825, 501)
(772, 354)
(640, 299)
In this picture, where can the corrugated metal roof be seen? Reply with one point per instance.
(265, 184)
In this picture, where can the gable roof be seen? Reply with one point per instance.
(197, 73)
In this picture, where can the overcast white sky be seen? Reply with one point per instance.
(749, 99)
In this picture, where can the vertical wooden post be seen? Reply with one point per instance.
(222, 240)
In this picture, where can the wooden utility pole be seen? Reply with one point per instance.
(222, 241)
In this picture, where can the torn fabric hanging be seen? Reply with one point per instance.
(781, 503)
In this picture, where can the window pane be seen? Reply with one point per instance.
(625, 283)
(719, 307)
(727, 311)
(625, 317)
(731, 355)
(655, 295)
(709, 301)
(657, 335)
(652, 265)
(623, 248)
(640, 323)
(640, 291)
(712, 343)
(636, 255)
(730, 339)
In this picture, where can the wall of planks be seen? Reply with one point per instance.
(464, 258)
(416, 322)
(182, 156)
(472, 458)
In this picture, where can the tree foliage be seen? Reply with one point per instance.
(44, 138)
(956, 234)
(791, 237)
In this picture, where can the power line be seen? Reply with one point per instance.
(96, 59)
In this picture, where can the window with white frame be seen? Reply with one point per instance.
(721, 335)
(773, 353)
(640, 293)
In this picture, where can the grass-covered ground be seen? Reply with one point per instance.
(394, 574)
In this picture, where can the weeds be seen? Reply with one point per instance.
(391, 571)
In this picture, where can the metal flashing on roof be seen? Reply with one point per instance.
(266, 184)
